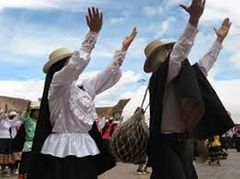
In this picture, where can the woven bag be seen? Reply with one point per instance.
(129, 141)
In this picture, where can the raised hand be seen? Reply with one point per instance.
(94, 19)
(195, 10)
(128, 40)
(223, 30)
(6, 108)
(28, 107)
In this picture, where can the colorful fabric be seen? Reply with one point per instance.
(30, 126)
(216, 141)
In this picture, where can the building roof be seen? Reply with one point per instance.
(120, 105)
(104, 111)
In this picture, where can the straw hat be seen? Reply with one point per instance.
(55, 56)
(13, 113)
(34, 105)
(151, 50)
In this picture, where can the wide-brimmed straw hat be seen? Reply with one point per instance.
(151, 50)
(55, 56)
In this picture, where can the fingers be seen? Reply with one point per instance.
(101, 17)
(223, 31)
(184, 7)
(203, 3)
(94, 19)
(94, 11)
(94, 14)
(226, 22)
(195, 2)
(88, 20)
(129, 39)
(199, 2)
(90, 15)
(134, 32)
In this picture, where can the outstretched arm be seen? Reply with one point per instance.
(80, 58)
(112, 73)
(183, 46)
(208, 60)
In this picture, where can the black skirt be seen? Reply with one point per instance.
(7, 155)
(70, 167)
(5, 146)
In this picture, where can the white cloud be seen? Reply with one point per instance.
(117, 20)
(111, 96)
(27, 4)
(31, 44)
(217, 10)
(33, 89)
(136, 49)
(228, 92)
(153, 10)
(75, 5)
(235, 59)
(163, 28)
(159, 30)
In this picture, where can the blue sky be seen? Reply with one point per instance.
(29, 34)
(30, 30)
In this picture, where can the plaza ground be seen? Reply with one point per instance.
(229, 169)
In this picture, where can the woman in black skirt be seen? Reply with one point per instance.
(67, 144)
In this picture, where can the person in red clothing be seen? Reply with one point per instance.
(107, 131)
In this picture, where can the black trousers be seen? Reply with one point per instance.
(24, 164)
(173, 158)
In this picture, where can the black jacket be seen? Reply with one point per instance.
(191, 105)
(216, 119)
(200, 107)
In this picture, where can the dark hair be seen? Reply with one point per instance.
(44, 127)
(32, 111)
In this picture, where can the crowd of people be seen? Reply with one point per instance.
(61, 137)
(16, 137)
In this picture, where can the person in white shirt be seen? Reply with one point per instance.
(64, 146)
(168, 148)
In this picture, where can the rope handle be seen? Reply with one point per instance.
(144, 98)
(146, 108)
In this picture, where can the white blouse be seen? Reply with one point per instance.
(6, 124)
(72, 110)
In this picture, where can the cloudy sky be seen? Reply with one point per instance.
(30, 30)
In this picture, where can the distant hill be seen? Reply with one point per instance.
(16, 104)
